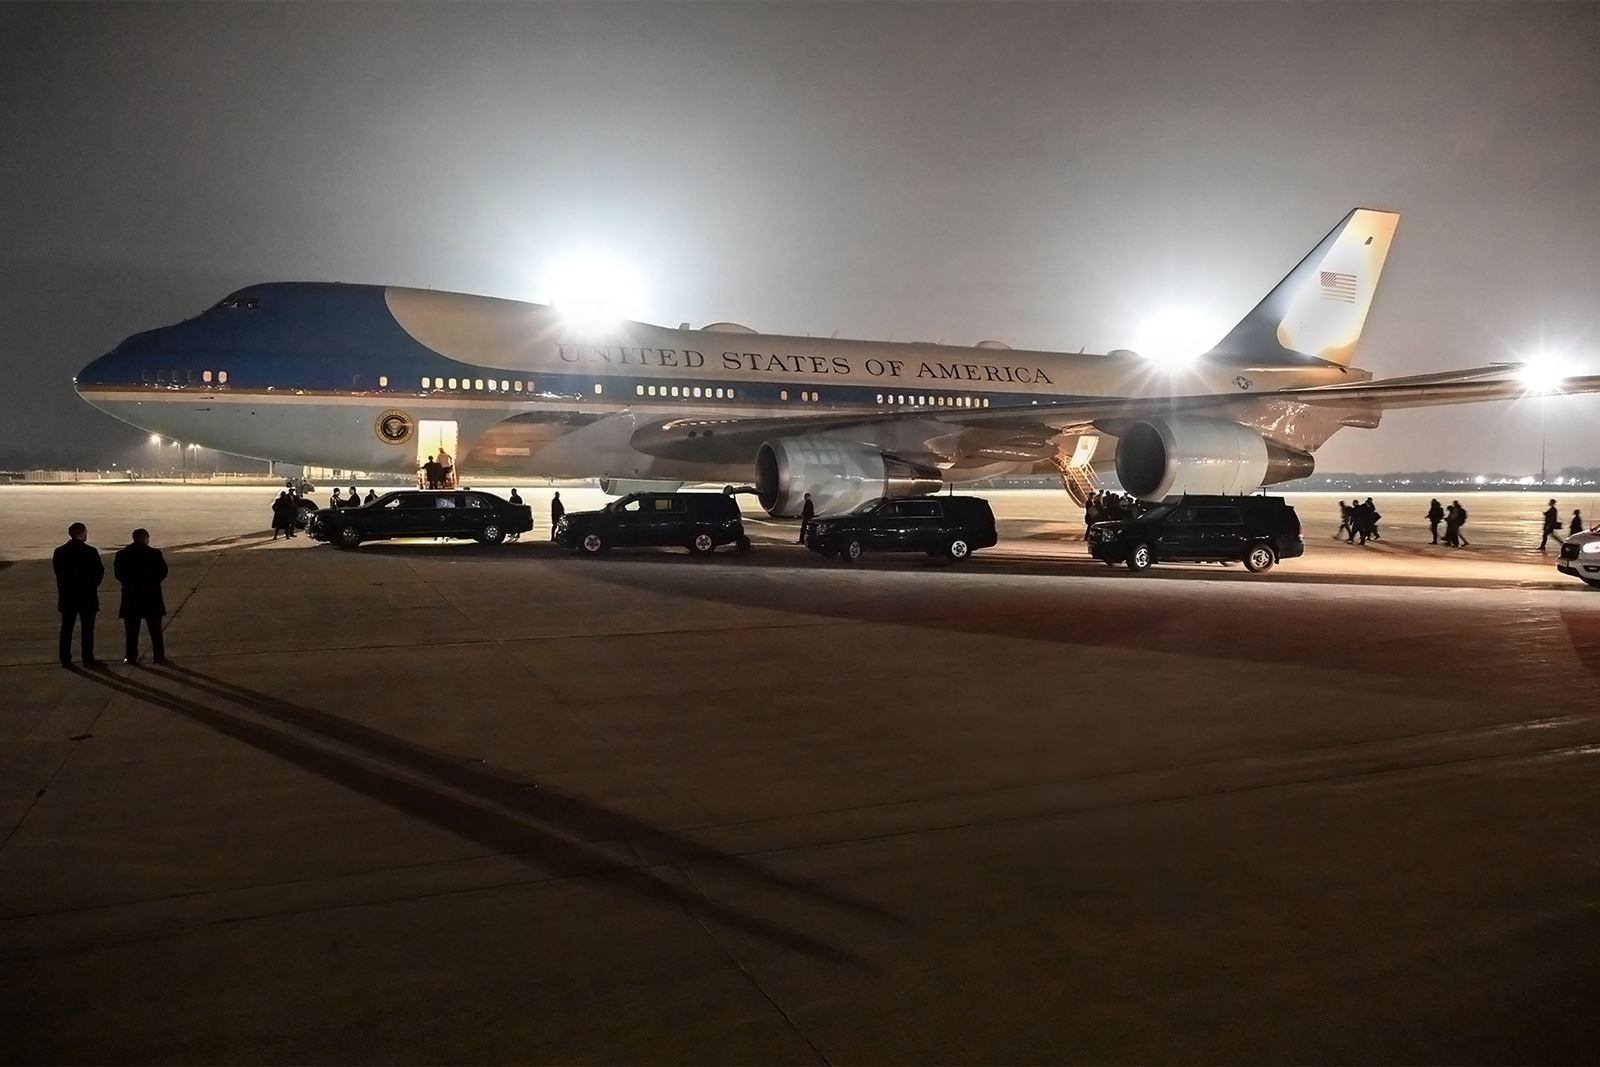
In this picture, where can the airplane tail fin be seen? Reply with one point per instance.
(1316, 313)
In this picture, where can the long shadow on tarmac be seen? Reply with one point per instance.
(482, 825)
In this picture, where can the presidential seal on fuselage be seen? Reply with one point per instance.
(394, 427)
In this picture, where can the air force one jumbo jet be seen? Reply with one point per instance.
(377, 378)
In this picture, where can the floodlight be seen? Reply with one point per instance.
(1174, 338)
(594, 293)
(1544, 375)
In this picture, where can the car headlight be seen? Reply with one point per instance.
(1591, 547)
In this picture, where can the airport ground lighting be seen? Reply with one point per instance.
(1173, 339)
(594, 293)
(1545, 375)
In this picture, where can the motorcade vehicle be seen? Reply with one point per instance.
(699, 522)
(1580, 557)
(953, 526)
(456, 513)
(1257, 531)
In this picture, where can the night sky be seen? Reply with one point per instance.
(1050, 175)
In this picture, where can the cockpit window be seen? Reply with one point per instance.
(239, 302)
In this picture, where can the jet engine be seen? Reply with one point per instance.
(839, 475)
(1160, 457)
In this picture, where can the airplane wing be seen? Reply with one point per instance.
(1436, 390)
(708, 439)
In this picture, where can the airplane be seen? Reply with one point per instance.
(378, 378)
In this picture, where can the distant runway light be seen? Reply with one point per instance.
(1173, 339)
(594, 293)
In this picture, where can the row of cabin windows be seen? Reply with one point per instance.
(685, 391)
(178, 377)
(935, 401)
(502, 386)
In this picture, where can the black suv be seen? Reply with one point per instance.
(697, 521)
(1257, 531)
(951, 526)
(423, 513)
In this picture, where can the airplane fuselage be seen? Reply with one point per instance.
(343, 375)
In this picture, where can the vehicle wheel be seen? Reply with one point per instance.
(349, 537)
(702, 544)
(958, 550)
(1259, 559)
(853, 551)
(742, 544)
(1140, 557)
(592, 544)
(492, 534)
(302, 515)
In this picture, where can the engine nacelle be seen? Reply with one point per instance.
(1161, 457)
(839, 475)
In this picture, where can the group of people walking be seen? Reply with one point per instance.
(1105, 506)
(1358, 521)
(1552, 524)
(138, 567)
(1454, 518)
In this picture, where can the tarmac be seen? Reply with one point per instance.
(443, 803)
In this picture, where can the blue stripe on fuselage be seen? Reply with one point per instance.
(312, 336)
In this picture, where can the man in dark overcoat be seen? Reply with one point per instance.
(79, 573)
(141, 570)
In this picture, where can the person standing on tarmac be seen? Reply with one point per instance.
(1552, 524)
(79, 573)
(372, 494)
(1345, 528)
(141, 570)
(335, 501)
(516, 498)
(1577, 525)
(557, 509)
(282, 516)
(808, 511)
(1435, 516)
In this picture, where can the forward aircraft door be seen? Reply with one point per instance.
(435, 437)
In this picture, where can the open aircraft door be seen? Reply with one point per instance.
(437, 438)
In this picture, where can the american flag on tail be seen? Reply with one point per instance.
(1336, 286)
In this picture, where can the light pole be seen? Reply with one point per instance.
(1543, 397)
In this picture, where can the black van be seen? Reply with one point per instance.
(951, 526)
(1257, 531)
(699, 522)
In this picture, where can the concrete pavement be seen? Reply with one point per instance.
(456, 804)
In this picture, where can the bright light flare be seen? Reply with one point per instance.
(1173, 339)
(1544, 374)
(594, 293)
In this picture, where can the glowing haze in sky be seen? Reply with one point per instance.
(1050, 175)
